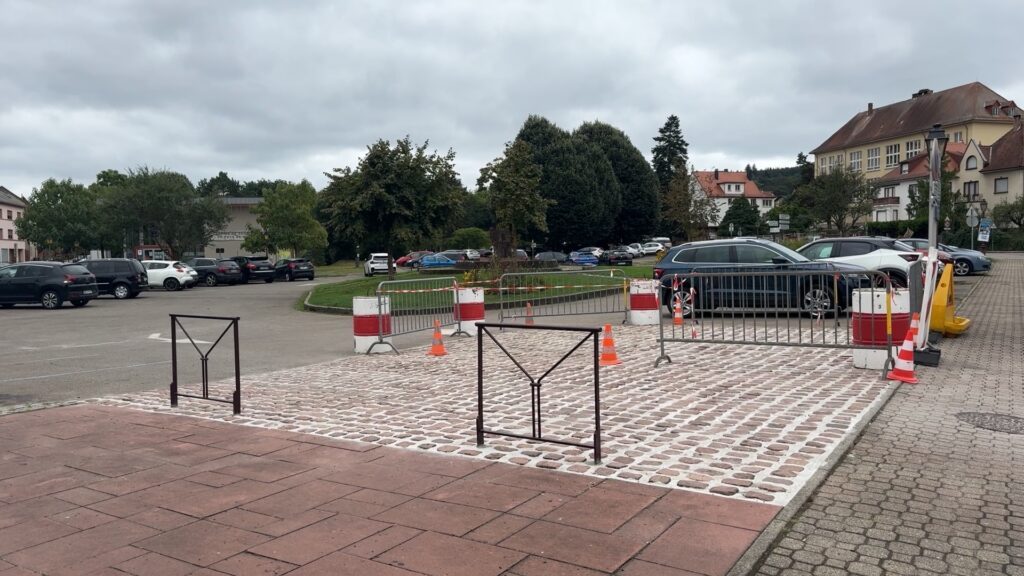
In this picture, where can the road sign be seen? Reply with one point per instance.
(986, 223)
(983, 234)
(783, 217)
(774, 230)
(972, 218)
(773, 223)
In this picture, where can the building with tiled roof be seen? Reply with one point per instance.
(12, 248)
(894, 188)
(876, 140)
(723, 186)
(995, 173)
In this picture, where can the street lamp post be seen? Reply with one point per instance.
(936, 151)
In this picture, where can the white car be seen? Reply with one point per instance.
(378, 262)
(635, 250)
(895, 263)
(650, 248)
(170, 274)
(472, 254)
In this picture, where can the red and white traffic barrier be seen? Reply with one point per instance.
(643, 302)
(371, 317)
(868, 324)
(469, 309)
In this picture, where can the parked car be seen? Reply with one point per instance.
(170, 274)
(617, 257)
(411, 257)
(585, 259)
(965, 260)
(436, 261)
(664, 241)
(807, 293)
(212, 271)
(292, 268)
(120, 277)
(456, 255)
(47, 283)
(594, 250)
(255, 268)
(559, 257)
(376, 263)
(473, 254)
(652, 248)
(868, 252)
(636, 249)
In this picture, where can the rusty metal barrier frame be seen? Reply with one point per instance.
(204, 357)
(415, 304)
(536, 417)
(563, 293)
(775, 307)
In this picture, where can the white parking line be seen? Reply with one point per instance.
(53, 359)
(83, 372)
(70, 346)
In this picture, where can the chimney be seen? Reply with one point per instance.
(921, 92)
(716, 173)
(871, 107)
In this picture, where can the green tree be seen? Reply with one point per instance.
(669, 151)
(395, 198)
(640, 211)
(476, 210)
(219, 185)
(839, 198)
(1006, 213)
(512, 183)
(688, 212)
(60, 217)
(949, 202)
(286, 220)
(468, 238)
(743, 216)
(256, 188)
(806, 167)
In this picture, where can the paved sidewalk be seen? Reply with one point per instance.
(105, 490)
(923, 492)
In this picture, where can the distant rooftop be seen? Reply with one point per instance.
(10, 198)
(237, 201)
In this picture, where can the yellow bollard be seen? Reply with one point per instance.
(944, 318)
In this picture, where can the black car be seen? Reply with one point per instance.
(811, 289)
(120, 277)
(212, 271)
(47, 283)
(616, 257)
(255, 267)
(292, 268)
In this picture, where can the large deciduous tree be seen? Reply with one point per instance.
(397, 197)
(219, 185)
(512, 185)
(286, 220)
(640, 201)
(60, 218)
(1006, 213)
(688, 211)
(839, 199)
(743, 216)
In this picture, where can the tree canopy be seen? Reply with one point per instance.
(60, 218)
(1006, 213)
(744, 218)
(688, 213)
(512, 184)
(669, 151)
(286, 219)
(839, 199)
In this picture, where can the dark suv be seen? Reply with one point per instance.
(120, 277)
(810, 289)
(255, 267)
(213, 271)
(46, 283)
(292, 268)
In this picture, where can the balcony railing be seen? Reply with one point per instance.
(887, 201)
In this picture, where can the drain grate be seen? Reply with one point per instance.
(993, 421)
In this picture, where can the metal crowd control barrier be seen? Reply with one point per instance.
(204, 357)
(566, 293)
(415, 305)
(777, 307)
(536, 432)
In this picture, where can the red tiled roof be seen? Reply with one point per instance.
(917, 115)
(1007, 153)
(920, 167)
(712, 187)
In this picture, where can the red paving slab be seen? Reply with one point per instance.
(202, 498)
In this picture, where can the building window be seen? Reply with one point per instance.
(958, 136)
(913, 148)
(972, 163)
(766, 202)
(855, 161)
(971, 191)
(10, 234)
(880, 216)
(895, 215)
(888, 192)
(19, 214)
(892, 155)
(9, 217)
(1002, 185)
(904, 168)
(873, 159)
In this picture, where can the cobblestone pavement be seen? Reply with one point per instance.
(752, 422)
(111, 491)
(923, 492)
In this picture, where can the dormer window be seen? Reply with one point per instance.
(972, 163)
(904, 168)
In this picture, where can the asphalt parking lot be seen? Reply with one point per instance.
(116, 346)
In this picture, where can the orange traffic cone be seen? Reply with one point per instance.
(915, 325)
(608, 355)
(677, 313)
(437, 347)
(904, 368)
(529, 314)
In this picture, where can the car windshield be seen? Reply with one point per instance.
(792, 254)
(75, 269)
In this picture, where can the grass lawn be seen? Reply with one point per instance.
(339, 294)
(339, 268)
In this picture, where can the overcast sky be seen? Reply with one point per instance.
(291, 89)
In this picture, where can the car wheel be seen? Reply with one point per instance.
(817, 301)
(210, 280)
(121, 291)
(288, 276)
(268, 280)
(171, 284)
(685, 301)
(962, 267)
(312, 276)
(50, 299)
(79, 303)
